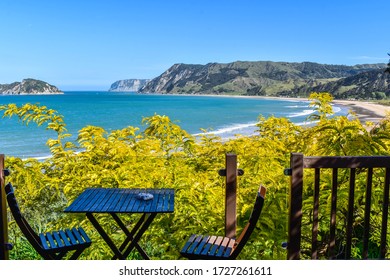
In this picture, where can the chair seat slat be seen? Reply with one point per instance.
(71, 236)
(195, 244)
(215, 246)
(76, 233)
(64, 238)
(49, 238)
(44, 241)
(208, 245)
(188, 243)
(202, 244)
(85, 236)
(222, 248)
(229, 248)
(60, 242)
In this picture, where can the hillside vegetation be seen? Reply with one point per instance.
(267, 78)
(164, 155)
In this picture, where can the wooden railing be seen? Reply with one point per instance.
(231, 172)
(343, 171)
(4, 246)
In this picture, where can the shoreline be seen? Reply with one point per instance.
(365, 110)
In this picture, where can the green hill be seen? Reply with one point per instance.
(263, 78)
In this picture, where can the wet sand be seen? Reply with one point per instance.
(365, 110)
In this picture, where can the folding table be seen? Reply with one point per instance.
(114, 201)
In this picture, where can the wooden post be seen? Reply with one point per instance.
(295, 211)
(231, 196)
(3, 215)
(231, 172)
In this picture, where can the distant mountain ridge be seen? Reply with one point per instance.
(129, 85)
(29, 86)
(267, 78)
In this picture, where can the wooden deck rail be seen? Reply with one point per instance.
(4, 245)
(231, 172)
(349, 168)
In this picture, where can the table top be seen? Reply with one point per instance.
(109, 200)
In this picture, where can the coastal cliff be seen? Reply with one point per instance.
(29, 86)
(266, 78)
(128, 85)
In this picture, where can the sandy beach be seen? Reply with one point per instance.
(365, 110)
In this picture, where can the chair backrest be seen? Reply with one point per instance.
(24, 226)
(250, 226)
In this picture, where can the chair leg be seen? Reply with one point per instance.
(77, 254)
(61, 255)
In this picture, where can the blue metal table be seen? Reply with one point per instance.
(124, 201)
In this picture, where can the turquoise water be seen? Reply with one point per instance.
(224, 116)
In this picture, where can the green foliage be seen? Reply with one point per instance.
(164, 155)
(321, 102)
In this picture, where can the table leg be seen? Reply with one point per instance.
(130, 235)
(139, 234)
(105, 236)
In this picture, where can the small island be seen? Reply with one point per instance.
(29, 86)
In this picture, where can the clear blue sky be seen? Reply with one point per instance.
(88, 45)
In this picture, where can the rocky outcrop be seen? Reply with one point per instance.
(129, 85)
(29, 86)
(251, 78)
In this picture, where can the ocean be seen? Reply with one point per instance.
(223, 116)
